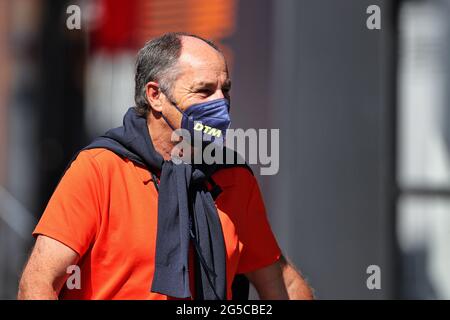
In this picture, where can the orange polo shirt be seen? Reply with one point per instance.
(105, 208)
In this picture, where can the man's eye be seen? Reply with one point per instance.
(205, 91)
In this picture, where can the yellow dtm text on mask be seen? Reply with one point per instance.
(207, 129)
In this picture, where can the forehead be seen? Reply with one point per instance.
(200, 62)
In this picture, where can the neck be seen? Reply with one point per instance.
(161, 134)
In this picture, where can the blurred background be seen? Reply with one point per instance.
(363, 114)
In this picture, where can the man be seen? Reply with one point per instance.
(140, 226)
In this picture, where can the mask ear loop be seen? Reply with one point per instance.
(167, 121)
(173, 103)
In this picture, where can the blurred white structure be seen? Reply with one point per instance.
(109, 90)
(424, 162)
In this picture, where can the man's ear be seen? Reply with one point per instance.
(153, 95)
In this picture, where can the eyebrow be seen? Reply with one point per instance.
(206, 84)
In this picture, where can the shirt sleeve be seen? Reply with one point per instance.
(260, 248)
(72, 215)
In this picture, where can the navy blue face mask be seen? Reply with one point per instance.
(208, 120)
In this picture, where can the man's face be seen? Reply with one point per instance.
(203, 76)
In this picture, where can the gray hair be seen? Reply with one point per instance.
(157, 61)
